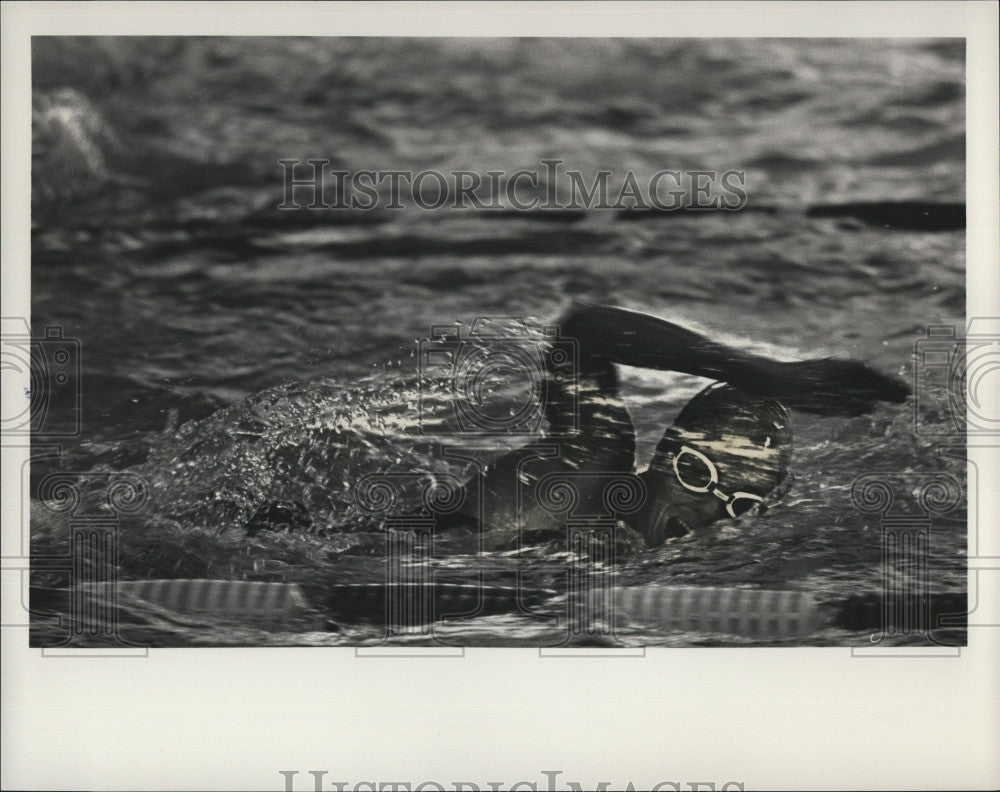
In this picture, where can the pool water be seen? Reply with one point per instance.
(190, 293)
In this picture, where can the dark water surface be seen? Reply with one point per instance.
(164, 253)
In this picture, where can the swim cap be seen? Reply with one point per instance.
(745, 436)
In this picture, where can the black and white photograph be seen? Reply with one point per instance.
(504, 342)
(593, 345)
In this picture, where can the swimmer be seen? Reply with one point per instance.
(726, 453)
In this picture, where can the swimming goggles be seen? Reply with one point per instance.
(687, 459)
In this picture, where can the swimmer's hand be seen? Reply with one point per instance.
(835, 387)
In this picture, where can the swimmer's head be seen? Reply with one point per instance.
(726, 452)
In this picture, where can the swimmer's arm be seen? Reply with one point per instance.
(824, 387)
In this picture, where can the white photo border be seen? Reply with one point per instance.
(765, 718)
